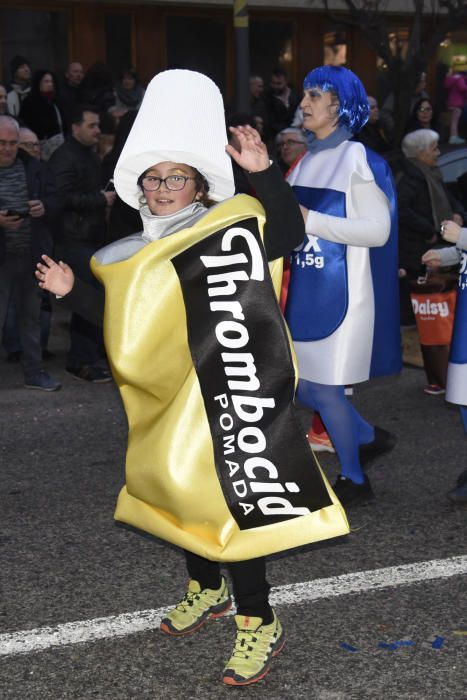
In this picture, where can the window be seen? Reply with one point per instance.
(198, 43)
(335, 48)
(118, 29)
(271, 46)
(42, 37)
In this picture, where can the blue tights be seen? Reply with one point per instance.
(344, 424)
(464, 416)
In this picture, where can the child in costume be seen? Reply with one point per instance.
(456, 387)
(342, 303)
(455, 83)
(217, 461)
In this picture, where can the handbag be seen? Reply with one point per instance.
(434, 302)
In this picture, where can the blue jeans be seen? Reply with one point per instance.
(17, 283)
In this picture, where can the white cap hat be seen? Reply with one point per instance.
(181, 120)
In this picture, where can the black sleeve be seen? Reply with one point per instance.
(67, 176)
(85, 300)
(285, 227)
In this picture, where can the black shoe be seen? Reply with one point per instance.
(384, 442)
(459, 494)
(90, 373)
(350, 493)
(14, 357)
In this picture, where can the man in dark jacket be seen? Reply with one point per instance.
(77, 169)
(29, 206)
(281, 101)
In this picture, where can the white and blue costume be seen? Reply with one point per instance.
(331, 298)
(456, 386)
(343, 302)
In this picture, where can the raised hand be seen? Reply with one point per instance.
(251, 153)
(57, 278)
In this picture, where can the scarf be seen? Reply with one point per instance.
(155, 227)
(440, 206)
(130, 98)
(338, 136)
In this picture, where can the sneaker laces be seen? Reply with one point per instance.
(188, 601)
(242, 644)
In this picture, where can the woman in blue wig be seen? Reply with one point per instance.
(342, 304)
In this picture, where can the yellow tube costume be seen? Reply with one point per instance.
(217, 460)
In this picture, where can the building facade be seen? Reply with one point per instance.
(153, 36)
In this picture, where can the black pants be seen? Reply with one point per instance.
(250, 587)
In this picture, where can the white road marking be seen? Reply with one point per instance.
(28, 641)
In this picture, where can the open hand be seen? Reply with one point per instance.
(57, 278)
(252, 154)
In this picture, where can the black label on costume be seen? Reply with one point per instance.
(242, 357)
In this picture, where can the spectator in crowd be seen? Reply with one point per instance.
(374, 134)
(291, 145)
(281, 102)
(257, 103)
(387, 101)
(456, 84)
(69, 90)
(422, 117)
(41, 113)
(29, 205)
(423, 203)
(123, 220)
(129, 92)
(97, 88)
(77, 169)
(20, 85)
(3, 100)
(29, 143)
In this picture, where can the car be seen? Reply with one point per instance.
(453, 164)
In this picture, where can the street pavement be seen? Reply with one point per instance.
(64, 560)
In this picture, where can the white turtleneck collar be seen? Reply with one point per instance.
(155, 227)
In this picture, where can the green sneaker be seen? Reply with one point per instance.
(255, 646)
(196, 607)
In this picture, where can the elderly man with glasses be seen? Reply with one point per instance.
(29, 206)
(291, 145)
(29, 142)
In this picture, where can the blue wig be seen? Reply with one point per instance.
(353, 101)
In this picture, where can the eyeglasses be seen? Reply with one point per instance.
(151, 183)
(30, 144)
(425, 109)
(291, 142)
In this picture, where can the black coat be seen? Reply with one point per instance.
(77, 169)
(40, 115)
(278, 116)
(416, 225)
(41, 185)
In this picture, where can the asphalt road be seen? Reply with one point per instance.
(62, 559)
